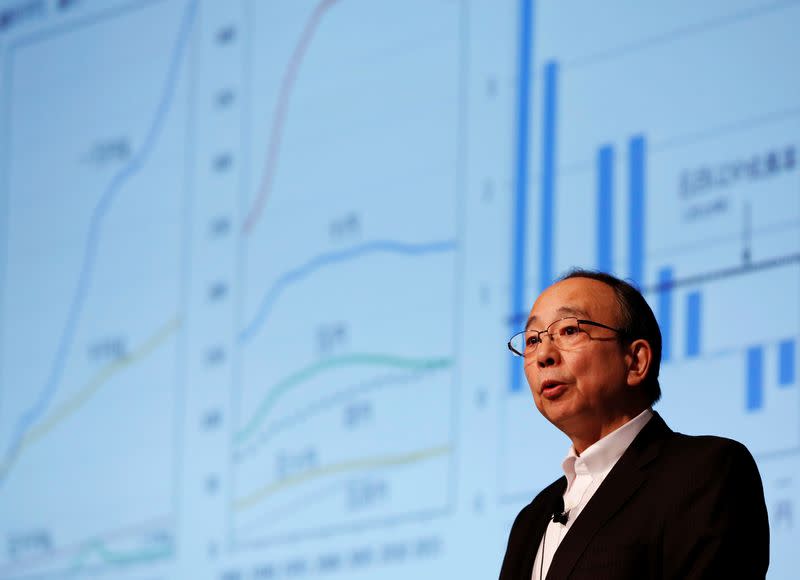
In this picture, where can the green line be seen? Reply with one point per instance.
(307, 373)
(120, 558)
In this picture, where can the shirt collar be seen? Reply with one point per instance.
(598, 459)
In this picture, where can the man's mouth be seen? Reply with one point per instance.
(552, 389)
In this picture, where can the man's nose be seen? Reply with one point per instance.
(546, 353)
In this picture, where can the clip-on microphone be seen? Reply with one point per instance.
(559, 515)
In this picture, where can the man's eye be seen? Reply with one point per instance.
(570, 330)
(533, 340)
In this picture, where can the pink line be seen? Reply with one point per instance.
(279, 117)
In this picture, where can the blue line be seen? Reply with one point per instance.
(329, 259)
(519, 218)
(636, 165)
(694, 304)
(605, 208)
(755, 378)
(90, 249)
(665, 311)
(786, 363)
(550, 110)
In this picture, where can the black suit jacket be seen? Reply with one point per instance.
(673, 506)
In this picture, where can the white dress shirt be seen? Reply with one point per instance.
(585, 473)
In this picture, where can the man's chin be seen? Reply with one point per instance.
(558, 413)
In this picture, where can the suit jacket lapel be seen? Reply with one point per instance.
(620, 484)
(551, 497)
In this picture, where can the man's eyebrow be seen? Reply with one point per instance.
(563, 311)
(572, 311)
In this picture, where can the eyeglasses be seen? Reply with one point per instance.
(566, 333)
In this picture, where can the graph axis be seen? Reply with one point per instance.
(339, 529)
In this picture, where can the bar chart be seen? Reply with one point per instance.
(700, 233)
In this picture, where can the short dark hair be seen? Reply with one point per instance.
(637, 321)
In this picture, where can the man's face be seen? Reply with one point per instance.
(582, 391)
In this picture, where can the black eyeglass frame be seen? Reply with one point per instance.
(621, 332)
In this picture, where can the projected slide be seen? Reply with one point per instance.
(259, 261)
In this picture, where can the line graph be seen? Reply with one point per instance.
(281, 112)
(346, 395)
(333, 258)
(97, 551)
(280, 435)
(322, 378)
(29, 417)
(383, 361)
(263, 493)
(93, 402)
(127, 546)
(288, 510)
(76, 401)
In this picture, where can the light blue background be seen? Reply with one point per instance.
(259, 261)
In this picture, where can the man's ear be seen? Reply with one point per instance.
(639, 357)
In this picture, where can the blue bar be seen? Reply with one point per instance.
(755, 378)
(519, 219)
(550, 95)
(786, 364)
(605, 208)
(636, 164)
(665, 311)
(693, 306)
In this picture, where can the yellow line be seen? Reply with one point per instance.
(81, 397)
(248, 501)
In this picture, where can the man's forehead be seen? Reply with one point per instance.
(560, 312)
(581, 297)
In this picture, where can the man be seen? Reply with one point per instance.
(637, 500)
